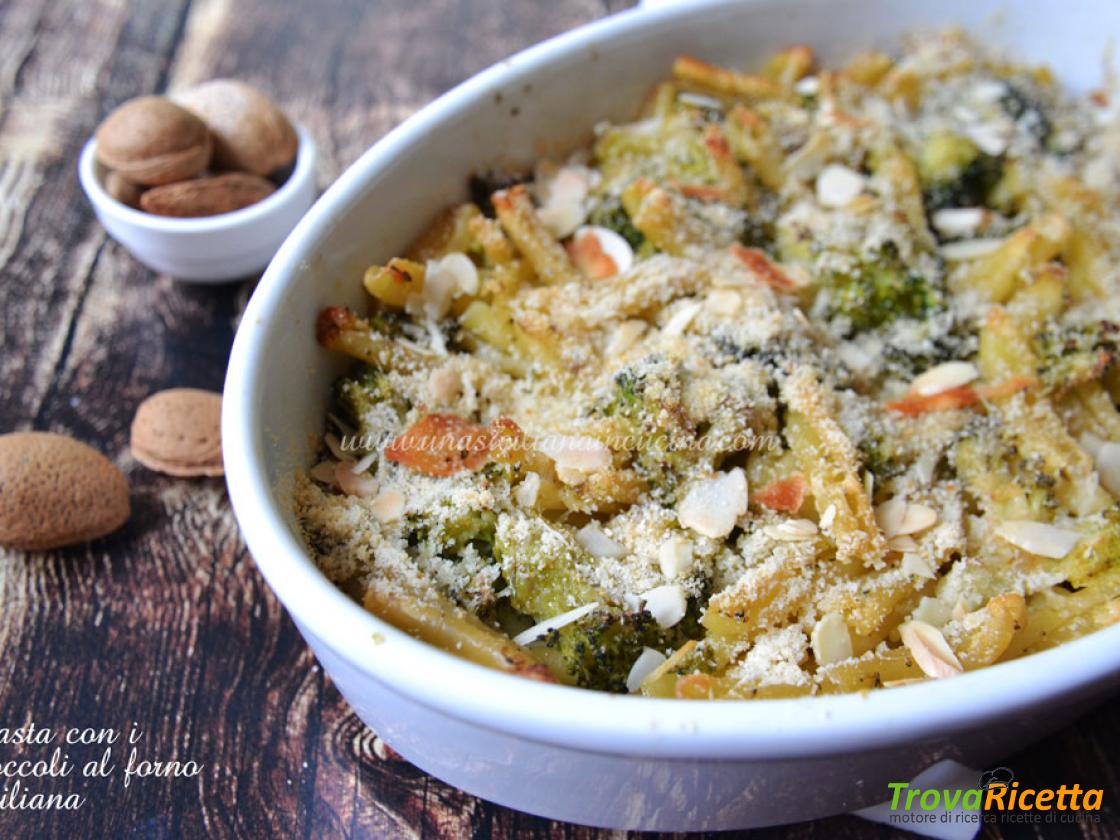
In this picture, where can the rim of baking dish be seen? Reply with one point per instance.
(573, 717)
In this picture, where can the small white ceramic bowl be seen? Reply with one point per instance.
(608, 760)
(209, 249)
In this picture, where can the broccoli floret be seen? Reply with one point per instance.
(612, 215)
(1071, 355)
(955, 173)
(881, 290)
(1027, 111)
(598, 651)
(358, 394)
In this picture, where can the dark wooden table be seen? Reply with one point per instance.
(167, 625)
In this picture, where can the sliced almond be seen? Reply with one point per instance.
(624, 337)
(388, 506)
(959, 221)
(597, 543)
(545, 627)
(648, 661)
(838, 185)
(667, 604)
(831, 641)
(969, 249)
(889, 516)
(445, 384)
(930, 650)
(678, 323)
(902, 544)
(897, 518)
(944, 377)
(791, 530)
(1038, 537)
(712, 506)
(725, 302)
(1107, 458)
(323, 472)
(916, 518)
(675, 557)
(828, 517)
(575, 455)
(352, 483)
(918, 566)
(527, 491)
(563, 197)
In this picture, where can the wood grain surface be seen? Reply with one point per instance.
(167, 625)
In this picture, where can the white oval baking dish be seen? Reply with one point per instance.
(605, 760)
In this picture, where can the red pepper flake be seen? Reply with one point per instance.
(761, 266)
(445, 444)
(784, 494)
(962, 396)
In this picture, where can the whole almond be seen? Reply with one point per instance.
(55, 491)
(251, 134)
(151, 140)
(207, 196)
(178, 432)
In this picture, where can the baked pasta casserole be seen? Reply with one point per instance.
(802, 382)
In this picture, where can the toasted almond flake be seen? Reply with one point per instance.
(545, 627)
(837, 185)
(613, 245)
(724, 302)
(932, 611)
(674, 556)
(791, 530)
(324, 472)
(563, 218)
(831, 641)
(335, 447)
(959, 221)
(597, 543)
(918, 566)
(969, 249)
(828, 517)
(576, 454)
(1038, 537)
(1107, 459)
(930, 650)
(353, 484)
(648, 661)
(445, 384)
(359, 467)
(809, 86)
(944, 377)
(624, 337)
(462, 269)
(915, 519)
(904, 681)
(902, 544)
(713, 505)
(667, 604)
(388, 506)
(526, 492)
(699, 100)
(990, 137)
(889, 516)
(677, 324)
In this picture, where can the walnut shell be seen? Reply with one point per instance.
(179, 432)
(207, 196)
(250, 133)
(55, 491)
(151, 140)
